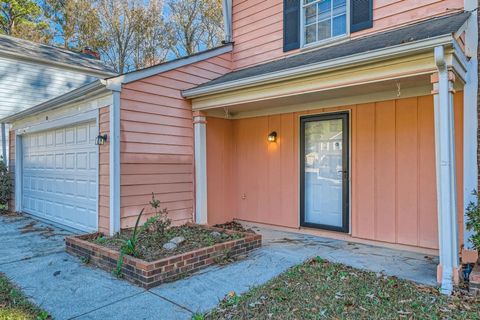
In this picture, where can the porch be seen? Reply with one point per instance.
(399, 159)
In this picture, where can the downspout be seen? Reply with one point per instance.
(227, 21)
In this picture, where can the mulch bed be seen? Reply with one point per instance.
(150, 244)
(233, 225)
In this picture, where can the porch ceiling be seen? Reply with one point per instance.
(364, 93)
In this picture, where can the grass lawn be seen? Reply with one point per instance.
(15, 306)
(319, 289)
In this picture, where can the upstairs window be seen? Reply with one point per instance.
(323, 20)
(306, 22)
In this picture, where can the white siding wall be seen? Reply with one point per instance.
(24, 84)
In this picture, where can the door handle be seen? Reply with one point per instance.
(344, 173)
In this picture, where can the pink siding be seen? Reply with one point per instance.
(258, 24)
(157, 140)
(104, 174)
(219, 170)
(393, 189)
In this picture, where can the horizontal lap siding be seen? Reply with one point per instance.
(258, 24)
(104, 173)
(393, 193)
(157, 140)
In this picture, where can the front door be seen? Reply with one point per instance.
(324, 172)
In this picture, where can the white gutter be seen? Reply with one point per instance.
(76, 95)
(86, 70)
(329, 65)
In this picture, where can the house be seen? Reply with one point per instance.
(32, 73)
(353, 120)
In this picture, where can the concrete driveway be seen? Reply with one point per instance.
(32, 256)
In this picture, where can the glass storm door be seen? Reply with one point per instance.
(324, 172)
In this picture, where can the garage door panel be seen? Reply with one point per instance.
(60, 175)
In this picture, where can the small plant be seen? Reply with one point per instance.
(473, 223)
(5, 185)
(43, 315)
(160, 222)
(101, 240)
(117, 272)
(198, 316)
(85, 259)
(130, 246)
(224, 258)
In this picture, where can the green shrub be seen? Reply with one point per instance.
(473, 220)
(5, 185)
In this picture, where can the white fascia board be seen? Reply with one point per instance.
(459, 62)
(95, 88)
(329, 65)
(167, 66)
(85, 70)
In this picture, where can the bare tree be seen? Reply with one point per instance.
(151, 40)
(195, 25)
(75, 22)
(132, 32)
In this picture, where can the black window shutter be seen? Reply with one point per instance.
(291, 25)
(361, 15)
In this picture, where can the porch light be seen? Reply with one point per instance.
(100, 140)
(272, 137)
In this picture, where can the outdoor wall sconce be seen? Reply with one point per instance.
(272, 137)
(100, 140)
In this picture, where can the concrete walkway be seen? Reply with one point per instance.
(32, 256)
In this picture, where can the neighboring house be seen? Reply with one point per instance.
(353, 120)
(31, 73)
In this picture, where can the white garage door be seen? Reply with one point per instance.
(60, 175)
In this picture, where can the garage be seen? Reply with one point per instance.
(59, 175)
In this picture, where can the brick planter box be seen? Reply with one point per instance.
(151, 274)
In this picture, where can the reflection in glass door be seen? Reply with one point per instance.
(324, 172)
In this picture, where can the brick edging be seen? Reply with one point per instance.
(151, 274)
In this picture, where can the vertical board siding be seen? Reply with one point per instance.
(393, 187)
(156, 140)
(219, 170)
(258, 24)
(104, 172)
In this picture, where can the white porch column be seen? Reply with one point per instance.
(200, 130)
(445, 172)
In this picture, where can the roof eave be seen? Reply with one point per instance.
(328, 65)
(92, 89)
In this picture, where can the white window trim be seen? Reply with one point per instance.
(325, 41)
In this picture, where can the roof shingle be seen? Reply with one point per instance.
(419, 31)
